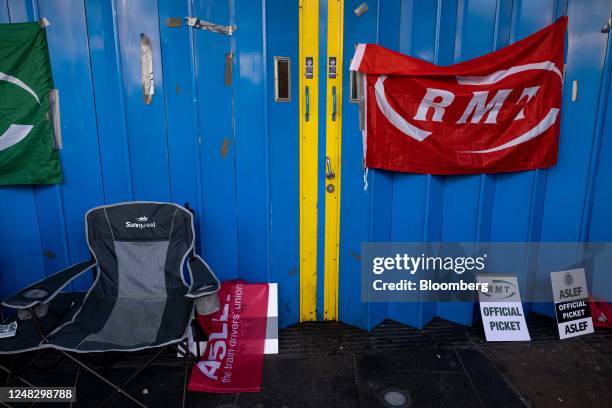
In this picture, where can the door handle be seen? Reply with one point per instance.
(307, 110)
(333, 103)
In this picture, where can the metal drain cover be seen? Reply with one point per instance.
(394, 398)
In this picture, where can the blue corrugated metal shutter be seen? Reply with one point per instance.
(231, 151)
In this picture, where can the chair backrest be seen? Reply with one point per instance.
(138, 296)
(143, 243)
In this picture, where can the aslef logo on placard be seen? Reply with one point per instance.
(141, 223)
(500, 289)
(571, 291)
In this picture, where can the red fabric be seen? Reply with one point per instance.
(233, 359)
(461, 136)
(601, 313)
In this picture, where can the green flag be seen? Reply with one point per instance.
(27, 151)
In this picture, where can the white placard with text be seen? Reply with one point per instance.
(571, 303)
(501, 309)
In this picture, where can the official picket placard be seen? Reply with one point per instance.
(501, 309)
(571, 295)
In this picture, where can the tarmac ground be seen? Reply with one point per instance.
(330, 364)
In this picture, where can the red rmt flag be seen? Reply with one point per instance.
(495, 113)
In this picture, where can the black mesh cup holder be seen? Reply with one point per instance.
(41, 309)
(35, 294)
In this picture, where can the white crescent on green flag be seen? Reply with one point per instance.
(27, 152)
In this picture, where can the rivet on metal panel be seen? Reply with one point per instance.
(574, 90)
(228, 68)
(174, 21)
(44, 22)
(361, 9)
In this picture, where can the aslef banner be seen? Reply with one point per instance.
(496, 113)
(27, 151)
(233, 357)
(571, 297)
(501, 309)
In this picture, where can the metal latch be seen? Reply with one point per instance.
(146, 69)
(227, 80)
(54, 109)
(329, 174)
(208, 26)
(606, 27)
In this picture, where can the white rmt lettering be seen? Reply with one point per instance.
(436, 99)
(527, 93)
(477, 107)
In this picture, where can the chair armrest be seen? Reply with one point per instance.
(46, 288)
(203, 280)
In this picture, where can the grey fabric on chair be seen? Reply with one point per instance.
(139, 298)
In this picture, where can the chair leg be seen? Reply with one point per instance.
(13, 375)
(23, 380)
(111, 397)
(192, 357)
(103, 379)
(185, 373)
(76, 382)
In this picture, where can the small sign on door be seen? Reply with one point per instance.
(331, 67)
(309, 68)
(571, 303)
(501, 309)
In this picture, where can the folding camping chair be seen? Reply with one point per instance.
(139, 298)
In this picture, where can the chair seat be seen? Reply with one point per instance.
(126, 329)
(77, 335)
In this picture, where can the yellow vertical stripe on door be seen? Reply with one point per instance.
(308, 146)
(333, 144)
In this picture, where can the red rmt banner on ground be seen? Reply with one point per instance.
(233, 359)
(496, 113)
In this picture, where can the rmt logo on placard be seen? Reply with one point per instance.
(141, 223)
(500, 289)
